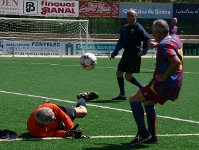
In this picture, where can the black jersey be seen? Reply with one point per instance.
(131, 38)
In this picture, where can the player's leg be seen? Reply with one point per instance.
(138, 114)
(129, 77)
(133, 66)
(88, 95)
(120, 80)
(71, 112)
(79, 111)
(151, 121)
(80, 108)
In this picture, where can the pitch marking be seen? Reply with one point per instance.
(94, 137)
(104, 107)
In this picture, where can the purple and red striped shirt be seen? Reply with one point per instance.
(169, 88)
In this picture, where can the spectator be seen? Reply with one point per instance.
(173, 29)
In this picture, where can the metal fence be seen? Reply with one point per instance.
(113, 25)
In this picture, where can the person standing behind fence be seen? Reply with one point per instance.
(131, 37)
(173, 29)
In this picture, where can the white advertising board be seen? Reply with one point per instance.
(58, 48)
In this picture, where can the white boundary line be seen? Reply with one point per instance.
(104, 107)
(94, 137)
(77, 56)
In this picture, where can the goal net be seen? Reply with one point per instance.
(30, 36)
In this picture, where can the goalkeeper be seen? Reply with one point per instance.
(51, 120)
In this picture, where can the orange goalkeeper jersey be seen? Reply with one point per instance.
(39, 130)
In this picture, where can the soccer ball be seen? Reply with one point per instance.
(88, 61)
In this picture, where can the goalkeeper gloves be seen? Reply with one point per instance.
(74, 132)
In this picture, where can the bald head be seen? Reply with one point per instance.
(131, 16)
(130, 11)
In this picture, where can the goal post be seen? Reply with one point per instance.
(57, 36)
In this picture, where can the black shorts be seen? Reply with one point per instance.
(129, 65)
(71, 112)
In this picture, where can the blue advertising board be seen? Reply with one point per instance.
(191, 49)
(186, 11)
(148, 10)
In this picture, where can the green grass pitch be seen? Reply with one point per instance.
(27, 82)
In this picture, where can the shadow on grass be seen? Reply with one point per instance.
(147, 72)
(27, 137)
(106, 101)
(120, 146)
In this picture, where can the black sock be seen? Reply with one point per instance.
(82, 102)
(120, 81)
(136, 82)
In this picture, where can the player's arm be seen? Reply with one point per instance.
(118, 46)
(153, 45)
(174, 65)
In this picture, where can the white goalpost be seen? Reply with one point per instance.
(33, 36)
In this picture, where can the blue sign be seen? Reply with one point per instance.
(152, 10)
(186, 11)
(96, 46)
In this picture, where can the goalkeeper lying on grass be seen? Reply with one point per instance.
(51, 120)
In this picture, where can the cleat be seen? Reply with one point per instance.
(88, 95)
(152, 140)
(120, 97)
(140, 138)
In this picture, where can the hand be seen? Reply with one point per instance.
(140, 54)
(153, 45)
(76, 133)
(112, 57)
(160, 77)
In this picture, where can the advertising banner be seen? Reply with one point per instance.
(10, 7)
(191, 49)
(186, 11)
(58, 48)
(99, 9)
(32, 48)
(56, 8)
(148, 10)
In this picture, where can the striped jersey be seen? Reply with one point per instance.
(169, 88)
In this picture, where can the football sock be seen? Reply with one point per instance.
(151, 118)
(120, 81)
(138, 113)
(82, 102)
(136, 82)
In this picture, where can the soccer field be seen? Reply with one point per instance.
(27, 82)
